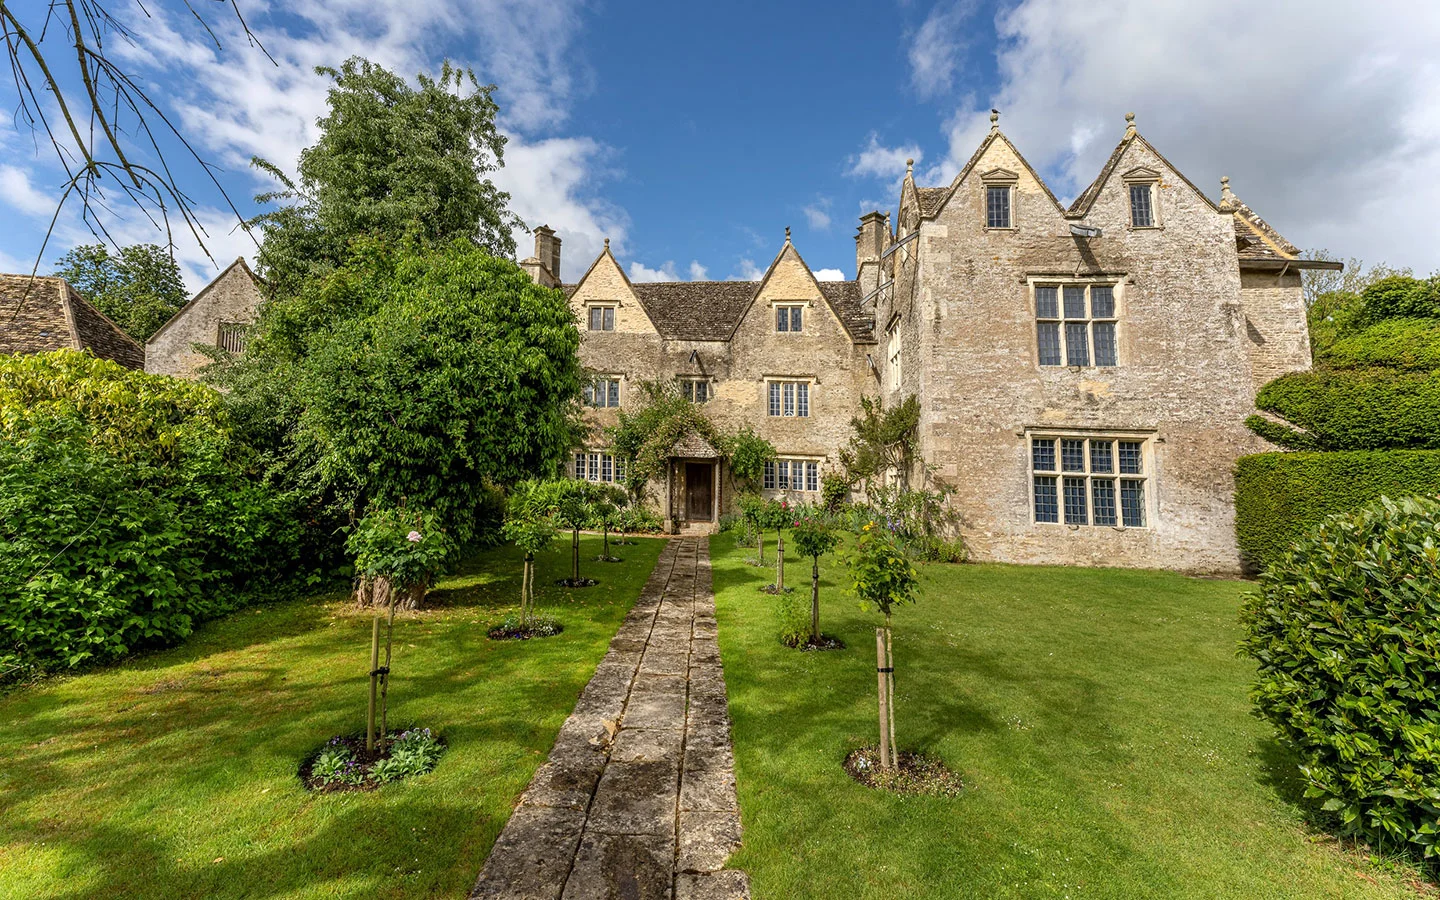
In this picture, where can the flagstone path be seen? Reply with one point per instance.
(637, 799)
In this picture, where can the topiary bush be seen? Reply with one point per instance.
(1360, 410)
(1406, 345)
(1346, 632)
(1280, 496)
(1401, 297)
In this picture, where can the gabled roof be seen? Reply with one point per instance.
(180, 313)
(45, 313)
(935, 198)
(1082, 203)
(713, 310)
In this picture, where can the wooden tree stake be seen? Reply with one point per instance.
(890, 694)
(884, 684)
(815, 602)
(374, 674)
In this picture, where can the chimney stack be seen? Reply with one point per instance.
(544, 266)
(870, 242)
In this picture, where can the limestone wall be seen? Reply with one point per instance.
(233, 297)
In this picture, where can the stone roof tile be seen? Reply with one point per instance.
(45, 313)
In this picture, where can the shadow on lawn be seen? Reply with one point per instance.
(347, 847)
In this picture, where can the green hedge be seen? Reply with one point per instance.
(1281, 496)
(1409, 345)
(1363, 410)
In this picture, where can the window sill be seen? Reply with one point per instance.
(1144, 227)
(996, 228)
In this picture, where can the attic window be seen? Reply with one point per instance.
(997, 206)
(1142, 209)
(602, 318)
(232, 337)
(790, 317)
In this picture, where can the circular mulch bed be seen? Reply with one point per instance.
(611, 559)
(576, 582)
(772, 589)
(826, 642)
(915, 773)
(507, 631)
(362, 777)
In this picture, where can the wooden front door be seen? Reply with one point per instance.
(699, 490)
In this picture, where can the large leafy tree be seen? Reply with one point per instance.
(412, 376)
(392, 158)
(139, 287)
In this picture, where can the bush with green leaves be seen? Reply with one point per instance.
(1405, 345)
(1401, 297)
(1357, 410)
(128, 512)
(1280, 496)
(1345, 630)
(834, 490)
(405, 547)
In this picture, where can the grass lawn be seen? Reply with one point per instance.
(1098, 717)
(174, 775)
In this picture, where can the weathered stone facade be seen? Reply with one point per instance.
(217, 316)
(961, 305)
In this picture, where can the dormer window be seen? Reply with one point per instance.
(602, 318)
(999, 198)
(789, 317)
(1140, 184)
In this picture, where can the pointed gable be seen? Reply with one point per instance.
(606, 283)
(1144, 157)
(997, 160)
(790, 278)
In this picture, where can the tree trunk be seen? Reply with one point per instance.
(575, 556)
(883, 686)
(372, 591)
(374, 675)
(760, 546)
(779, 562)
(385, 678)
(605, 539)
(815, 602)
(525, 599)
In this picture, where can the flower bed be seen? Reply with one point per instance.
(513, 628)
(344, 765)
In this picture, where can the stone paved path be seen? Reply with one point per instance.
(637, 799)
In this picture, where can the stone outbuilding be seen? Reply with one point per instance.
(1083, 372)
(219, 316)
(43, 313)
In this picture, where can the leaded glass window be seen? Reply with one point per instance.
(1085, 479)
(1075, 324)
(791, 475)
(789, 318)
(789, 398)
(1142, 209)
(997, 207)
(602, 318)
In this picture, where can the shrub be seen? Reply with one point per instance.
(1346, 631)
(1401, 297)
(128, 513)
(1373, 410)
(834, 490)
(1279, 496)
(1409, 345)
(792, 614)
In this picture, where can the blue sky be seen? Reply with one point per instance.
(693, 134)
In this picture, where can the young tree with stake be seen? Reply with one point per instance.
(814, 538)
(882, 575)
(530, 528)
(405, 549)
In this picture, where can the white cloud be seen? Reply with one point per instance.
(17, 192)
(1331, 130)
(937, 47)
(641, 273)
(877, 161)
(816, 216)
(829, 275)
(746, 270)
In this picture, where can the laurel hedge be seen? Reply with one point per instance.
(1346, 632)
(1281, 496)
(1360, 410)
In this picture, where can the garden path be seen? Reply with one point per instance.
(637, 799)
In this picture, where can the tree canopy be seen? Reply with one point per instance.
(139, 287)
(412, 376)
(392, 159)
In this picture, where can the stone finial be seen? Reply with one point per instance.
(607, 245)
(787, 234)
(909, 168)
(994, 120)
(1129, 123)
(1228, 201)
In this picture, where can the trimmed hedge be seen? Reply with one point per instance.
(1281, 496)
(1408, 345)
(1345, 630)
(1363, 410)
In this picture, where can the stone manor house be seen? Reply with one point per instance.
(1084, 373)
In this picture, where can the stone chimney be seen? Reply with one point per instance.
(870, 242)
(544, 266)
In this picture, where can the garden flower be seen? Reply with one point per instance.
(413, 537)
